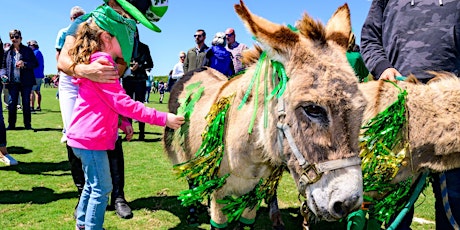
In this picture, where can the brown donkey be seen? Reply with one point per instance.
(433, 126)
(311, 124)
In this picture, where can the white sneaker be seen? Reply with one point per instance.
(63, 138)
(8, 160)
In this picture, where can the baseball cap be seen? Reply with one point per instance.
(145, 11)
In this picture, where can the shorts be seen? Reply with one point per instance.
(38, 84)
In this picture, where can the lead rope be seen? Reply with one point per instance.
(445, 201)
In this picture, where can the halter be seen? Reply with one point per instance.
(316, 169)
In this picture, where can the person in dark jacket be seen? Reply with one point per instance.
(400, 38)
(5, 157)
(18, 65)
(134, 81)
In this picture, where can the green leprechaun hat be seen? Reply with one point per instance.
(145, 11)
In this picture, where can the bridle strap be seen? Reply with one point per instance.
(318, 169)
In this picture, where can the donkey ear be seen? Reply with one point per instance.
(274, 38)
(338, 28)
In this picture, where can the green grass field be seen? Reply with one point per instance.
(39, 192)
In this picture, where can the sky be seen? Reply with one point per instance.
(40, 20)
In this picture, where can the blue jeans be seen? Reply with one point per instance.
(453, 189)
(98, 185)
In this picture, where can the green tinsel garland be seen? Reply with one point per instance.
(278, 74)
(203, 168)
(382, 152)
(187, 104)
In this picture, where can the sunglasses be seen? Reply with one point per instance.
(229, 35)
(198, 35)
(182, 56)
(15, 37)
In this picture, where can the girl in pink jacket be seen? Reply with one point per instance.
(95, 120)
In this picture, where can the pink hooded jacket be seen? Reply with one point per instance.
(94, 124)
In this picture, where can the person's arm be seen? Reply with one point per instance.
(98, 71)
(59, 43)
(372, 49)
(30, 61)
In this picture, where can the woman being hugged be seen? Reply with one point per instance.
(95, 120)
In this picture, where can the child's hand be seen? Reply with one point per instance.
(174, 121)
(129, 132)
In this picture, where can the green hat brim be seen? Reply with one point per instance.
(139, 16)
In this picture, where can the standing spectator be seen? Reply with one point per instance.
(148, 84)
(161, 90)
(134, 81)
(4, 156)
(102, 71)
(400, 38)
(177, 71)
(170, 82)
(219, 58)
(196, 56)
(66, 90)
(39, 75)
(47, 82)
(18, 65)
(93, 128)
(155, 86)
(236, 49)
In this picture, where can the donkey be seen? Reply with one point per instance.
(433, 125)
(311, 128)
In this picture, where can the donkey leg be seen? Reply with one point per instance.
(218, 219)
(247, 220)
(275, 213)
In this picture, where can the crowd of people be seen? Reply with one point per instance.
(396, 40)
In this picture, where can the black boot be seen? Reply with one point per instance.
(78, 175)
(117, 171)
(141, 131)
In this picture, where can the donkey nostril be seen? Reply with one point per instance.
(338, 209)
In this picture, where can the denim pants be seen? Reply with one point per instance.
(2, 124)
(453, 190)
(14, 90)
(67, 96)
(98, 185)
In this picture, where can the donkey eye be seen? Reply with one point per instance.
(316, 113)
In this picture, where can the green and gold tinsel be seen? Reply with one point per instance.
(265, 189)
(383, 149)
(202, 170)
